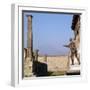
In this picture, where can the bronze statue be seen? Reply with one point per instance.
(73, 50)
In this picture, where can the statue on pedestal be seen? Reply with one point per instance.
(73, 50)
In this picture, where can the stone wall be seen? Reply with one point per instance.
(75, 26)
(55, 63)
(76, 29)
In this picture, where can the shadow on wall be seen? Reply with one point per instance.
(39, 68)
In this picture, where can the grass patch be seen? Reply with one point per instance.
(57, 73)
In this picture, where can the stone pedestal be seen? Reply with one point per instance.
(74, 69)
(28, 67)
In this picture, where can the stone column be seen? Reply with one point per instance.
(29, 38)
(28, 64)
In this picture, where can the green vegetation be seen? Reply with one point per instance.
(57, 73)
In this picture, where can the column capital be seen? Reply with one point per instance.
(29, 15)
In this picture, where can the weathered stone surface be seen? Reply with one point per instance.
(28, 52)
(29, 37)
(36, 55)
(28, 67)
(55, 63)
(76, 28)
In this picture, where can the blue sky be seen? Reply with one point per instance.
(50, 32)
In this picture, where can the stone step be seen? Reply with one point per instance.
(73, 70)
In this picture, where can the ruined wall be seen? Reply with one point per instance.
(76, 29)
(75, 26)
(55, 63)
(77, 40)
(77, 34)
